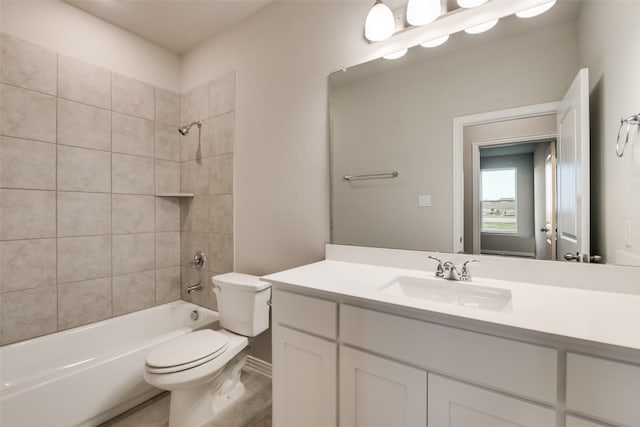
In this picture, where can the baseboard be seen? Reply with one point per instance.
(256, 365)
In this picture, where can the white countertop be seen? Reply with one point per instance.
(597, 316)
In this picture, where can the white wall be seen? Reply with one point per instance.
(63, 28)
(282, 56)
(607, 32)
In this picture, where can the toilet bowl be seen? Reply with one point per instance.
(202, 369)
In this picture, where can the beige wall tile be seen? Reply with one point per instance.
(167, 176)
(195, 214)
(167, 285)
(192, 144)
(221, 214)
(27, 114)
(198, 176)
(167, 107)
(84, 302)
(18, 270)
(82, 125)
(205, 297)
(133, 97)
(132, 214)
(132, 174)
(80, 169)
(27, 164)
(30, 313)
(222, 95)
(190, 244)
(132, 292)
(221, 253)
(194, 105)
(168, 142)
(221, 174)
(219, 135)
(27, 214)
(28, 65)
(167, 214)
(83, 82)
(167, 249)
(132, 135)
(83, 214)
(82, 258)
(133, 253)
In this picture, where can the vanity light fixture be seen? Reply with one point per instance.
(536, 10)
(380, 23)
(467, 4)
(435, 42)
(422, 12)
(477, 29)
(397, 54)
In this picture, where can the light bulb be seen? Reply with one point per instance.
(470, 3)
(536, 10)
(477, 29)
(396, 55)
(380, 23)
(422, 12)
(435, 42)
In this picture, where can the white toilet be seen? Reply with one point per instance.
(202, 368)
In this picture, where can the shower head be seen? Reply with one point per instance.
(185, 129)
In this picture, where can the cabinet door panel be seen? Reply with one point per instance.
(304, 380)
(455, 404)
(376, 392)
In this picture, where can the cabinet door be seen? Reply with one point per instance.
(304, 379)
(377, 392)
(455, 404)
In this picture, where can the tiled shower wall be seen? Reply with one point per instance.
(83, 151)
(207, 171)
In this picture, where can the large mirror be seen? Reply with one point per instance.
(499, 143)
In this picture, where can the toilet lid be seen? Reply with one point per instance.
(188, 350)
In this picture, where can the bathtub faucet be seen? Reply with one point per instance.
(194, 288)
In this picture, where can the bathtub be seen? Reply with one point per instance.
(87, 375)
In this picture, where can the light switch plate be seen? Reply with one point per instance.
(424, 200)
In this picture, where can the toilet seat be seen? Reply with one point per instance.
(186, 352)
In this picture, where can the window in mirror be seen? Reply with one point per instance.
(498, 192)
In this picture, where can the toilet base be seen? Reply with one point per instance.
(196, 406)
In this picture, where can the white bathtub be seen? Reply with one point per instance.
(87, 375)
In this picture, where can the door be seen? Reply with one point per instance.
(304, 379)
(377, 392)
(550, 222)
(456, 404)
(573, 172)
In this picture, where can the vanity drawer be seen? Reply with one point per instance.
(309, 314)
(605, 389)
(523, 369)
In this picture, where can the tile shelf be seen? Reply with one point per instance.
(174, 194)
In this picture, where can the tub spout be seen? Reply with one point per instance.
(194, 288)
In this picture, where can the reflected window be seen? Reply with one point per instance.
(498, 200)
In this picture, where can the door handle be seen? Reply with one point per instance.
(596, 259)
(571, 257)
(544, 230)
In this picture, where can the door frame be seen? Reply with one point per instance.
(459, 124)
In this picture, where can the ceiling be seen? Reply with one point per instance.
(177, 25)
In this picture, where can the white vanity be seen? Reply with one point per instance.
(353, 345)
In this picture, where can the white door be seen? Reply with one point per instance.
(377, 392)
(456, 404)
(573, 172)
(304, 379)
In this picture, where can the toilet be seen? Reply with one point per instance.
(202, 369)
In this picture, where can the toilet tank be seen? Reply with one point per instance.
(243, 303)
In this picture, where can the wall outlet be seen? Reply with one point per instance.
(424, 200)
(627, 233)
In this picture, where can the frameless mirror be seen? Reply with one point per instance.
(498, 143)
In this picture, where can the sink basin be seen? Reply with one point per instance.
(450, 292)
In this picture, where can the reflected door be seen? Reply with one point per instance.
(573, 172)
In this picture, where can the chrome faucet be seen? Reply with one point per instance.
(194, 288)
(448, 270)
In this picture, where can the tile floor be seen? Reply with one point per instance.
(253, 409)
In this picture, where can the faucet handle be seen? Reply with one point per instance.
(439, 269)
(464, 273)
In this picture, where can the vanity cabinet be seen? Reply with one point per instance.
(377, 392)
(304, 361)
